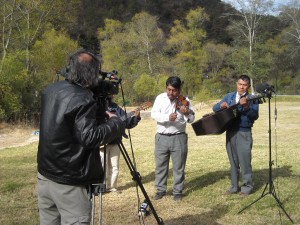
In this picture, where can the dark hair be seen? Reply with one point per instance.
(245, 78)
(174, 81)
(84, 71)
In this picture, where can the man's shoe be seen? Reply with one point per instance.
(231, 190)
(114, 190)
(177, 197)
(228, 192)
(159, 195)
(244, 194)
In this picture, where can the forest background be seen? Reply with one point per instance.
(207, 43)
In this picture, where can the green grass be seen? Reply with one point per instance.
(207, 177)
(287, 98)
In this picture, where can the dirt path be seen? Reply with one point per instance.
(14, 136)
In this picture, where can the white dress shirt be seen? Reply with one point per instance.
(161, 110)
(237, 98)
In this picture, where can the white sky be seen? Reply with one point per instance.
(280, 2)
(277, 3)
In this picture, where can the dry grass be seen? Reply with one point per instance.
(207, 176)
(16, 135)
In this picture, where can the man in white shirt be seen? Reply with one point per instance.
(171, 111)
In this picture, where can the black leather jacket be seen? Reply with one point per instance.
(70, 135)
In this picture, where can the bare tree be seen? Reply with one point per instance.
(246, 21)
(290, 13)
(146, 37)
(7, 15)
(32, 15)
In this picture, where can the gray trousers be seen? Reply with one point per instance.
(61, 204)
(175, 147)
(239, 146)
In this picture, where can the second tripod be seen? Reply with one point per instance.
(267, 92)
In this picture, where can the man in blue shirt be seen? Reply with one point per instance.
(239, 136)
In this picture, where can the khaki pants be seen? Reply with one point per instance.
(61, 204)
(112, 164)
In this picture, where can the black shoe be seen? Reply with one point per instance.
(159, 195)
(177, 197)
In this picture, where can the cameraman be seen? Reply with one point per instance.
(70, 135)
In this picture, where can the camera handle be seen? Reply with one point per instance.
(137, 178)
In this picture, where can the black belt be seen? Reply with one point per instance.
(172, 134)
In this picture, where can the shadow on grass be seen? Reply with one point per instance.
(144, 179)
(261, 178)
(209, 217)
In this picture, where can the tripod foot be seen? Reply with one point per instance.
(280, 205)
(276, 199)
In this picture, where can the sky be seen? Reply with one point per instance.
(280, 2)
(277, 3)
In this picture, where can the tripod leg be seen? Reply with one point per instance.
(136, 177)
(273, 193)
(100, 208)
(263, 195)
(93, 209)
(97, 190)
(280, 205)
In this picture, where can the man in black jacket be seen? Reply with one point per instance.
(70, 135)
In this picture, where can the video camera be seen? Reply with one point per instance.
(108, 84)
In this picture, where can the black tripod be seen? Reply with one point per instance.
(98, 190)
(137, 178)
(268, 93)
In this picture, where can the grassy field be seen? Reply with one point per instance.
(207, 177)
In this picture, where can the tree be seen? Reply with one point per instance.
(246, 23)
(290, 14)
(12, 85)
(145, 40)
(134, 48)
(286, 48)
(145, 87)
(31, 17)
(216, 57)
(50, 55)
(185, 42)
(7, 13)
(22, 23)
